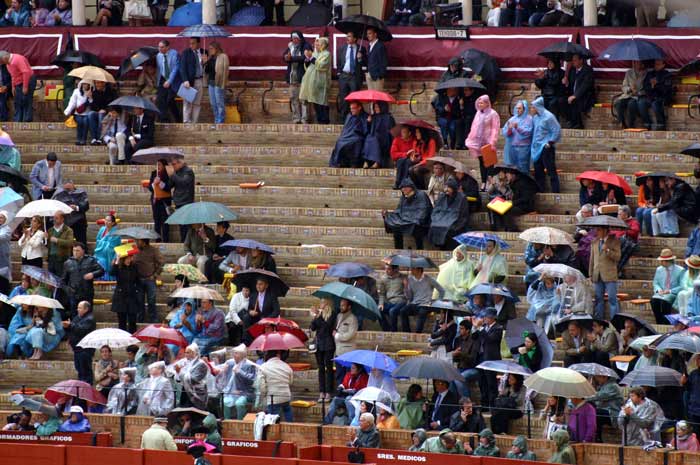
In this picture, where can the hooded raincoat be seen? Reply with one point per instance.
(564, 452)
(491, 450)
(379, 139)
(18, 331)
(436, 445)
(546, 129)
(450, 215)
(104, 250)
(122, 399)
(156, 397)
(422, 436)
(518, 136)
(494, 267)
(484, 129)
(455, 275)
(521, 443)
(80, 426)
(351, 141)
(412, 211)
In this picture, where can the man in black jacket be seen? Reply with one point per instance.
(682, 200)
(403, 9)
(275, 7)
(182, 180)
(490, 349)
(443, 406)
(79, 326)
(192, 73)
(79, 272)
(658, 93)
(580, 91)
(375, 60)
(140, 131)
(77, 199)
(349, 72)
(466, 354)
(467, 419)
(261, 304)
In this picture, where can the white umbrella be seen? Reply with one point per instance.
(112, 337)
(546, 235)
(372, 394)
(197, 292)
(36, 301)
(558, 270)
(43, 207)
(560, 382)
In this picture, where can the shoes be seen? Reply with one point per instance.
(80, 143)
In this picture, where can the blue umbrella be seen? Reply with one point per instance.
(41, 275)
(10, 200)
(349, 270)
(202, 212)
(248, 244)
(248, 16)
(204, 30)
(632, 50)
(362, 303)
(493, 289)
(370, 359)
(478, 240)
(504, 366)
(187, 15)
(675, 318)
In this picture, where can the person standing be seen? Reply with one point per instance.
(489, 338)
(192, 73)
(141, 133)
(484, 131)
(149, 264)
(294, 56)
(275, 380)
(182, 180)
(316, 83)
(376, 61)
(79, 272)
(60, 243)
(127, 297)
(602, 268)
(168, 79)
(157, 437)
(346, 327)
(580, 91)
(77, 327)
(546, 133)
(276, 7)
(23, 84)
(33, 243)
(349, 72)
(323, 325)
(216, 69)
(160, 187)
(46, 177)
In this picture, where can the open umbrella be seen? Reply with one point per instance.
(546, 235)
(69, 57)
(42, 275)
(411, 260)
(582, 319)
(153, 154)
(448, 161)
(196, 415)
(197, 292)
(10, 200)
(482, 64)
(478, 240)
(516, 331)
(204, 30)
(189, 14)
(515, 170)
(683, 340)
(632, 50)
(7, 173)
(455, 307)
(249, 277)
(43, 207)
(249, 244)
(135, 232)
(369, 95)
(253, 15)
(639, 343)
(136, 59)
(493, 289)
(202, 213)
(278, 324)
(605, 221)
(606, 177)
(560, 382)
(5, 139)
(358, 24)
(504, 366)
(92, 73)
(115, 338)
(642, 178)
(558, 270)
(643, 328)
(362, 303)
(192, 273)
(423, 367)
(692, 67)
(594, 369)
(370, 359)
(414, 124)
(35, 300)
(129, 102)
(349, 270)
(564, 51)
(373, 394)
(74, 388)
(653, 376)
(275, 341)
(459, 83)
(692, 150)
(161, 334)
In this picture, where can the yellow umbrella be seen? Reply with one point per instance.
(92, 73)
(560, 382)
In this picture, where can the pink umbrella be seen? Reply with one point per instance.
(161, 334)
(74, 388)
(5, 139)
(275, 341)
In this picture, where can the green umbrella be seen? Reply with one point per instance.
(202, 213)
(362, 303)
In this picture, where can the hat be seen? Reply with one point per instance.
(131, 371)
(160, 420)
(76, 409)
(196, 450)
(693, 262)
(160, 365)
(489, 312)
(200, 430)
(666, 254)
(51, 156)
(240, 348)
(682, 425)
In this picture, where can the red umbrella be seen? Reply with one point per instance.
(369, 96)
(277, 324)
(275, 341)
(607, 178)
(74, 388)
(161, 334)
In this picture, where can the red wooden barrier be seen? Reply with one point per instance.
(82, 455)
(33, 454)
(78, 439)
(248, 447)
(159, 457)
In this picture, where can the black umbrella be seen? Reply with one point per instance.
(136, 59)
(517, 330)
(563, 51)
(641, 180)
(427, 368)
(514, 169)
(134, 101)
(455, 307)
(692, 150)
(9, 174)
(358, 24)
(314, 14)
(249, 277)
(483, 65)
(644, 328)
(692, 67)
(459, 83)
(583, 319)
(604, 221)
(69, 57)
(411, 260)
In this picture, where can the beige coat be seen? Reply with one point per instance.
(220, 71)
(157, 438)
(345, 331)
(603, 265)
(275, 381)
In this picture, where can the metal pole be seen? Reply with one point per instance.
(529, 423)
(78, 10)
(467, 13)
(590, 13)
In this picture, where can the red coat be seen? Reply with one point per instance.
(399, 147)
(356, 382)
(632, 231)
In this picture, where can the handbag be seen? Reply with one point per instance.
(356, 456)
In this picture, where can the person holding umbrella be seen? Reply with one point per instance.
(549, 81)
(211, 329)
(79, 107)
(376, 60)
(580, 91)
(160, 188)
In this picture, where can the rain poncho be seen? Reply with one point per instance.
(546, 129)
(694, 301)
(564, 452)
(422, 436)
(521, 443)
(436, 445)
(18, 332)
(122, 399)
(378, 141)
(80, 426)
(5, 238)
(316, 82)
(518, 139)
(193, 377)
(450, 216)
(455, 275)
(9, 156)
(494, 267)
(213, 437)
(643, 424)
(156, 397)
(384, 381)
(485, 128)
(412, 211)
(45, 337)
(348, 148)
(177, 320)
(410, 414)
(608, 397)
(491, 450)
(104, 250)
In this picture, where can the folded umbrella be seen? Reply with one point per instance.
(43, 207)
(606, 177)
(202, 213)
(249, 244)
(42, 275)
(546, 235)
(427, 368)
(153, 154)
(281, 325)
(493, 289)
(594, 369)
(560, 382)
(349, 270)
(604, 221)
(504, 366)
(370, 359)
(362, 303)
(74, 388)
(369, 95)
(564, 51)
(249, 277)
(460, 83)
(653, 376)
(632, 50)
(197, 292)
(192, 273)
(92, 73)
(115, 338)
(161, 334)
(411, 260)
(358, 24)
(35, 300)
(558, 270)
(275, 341)
(134, 101)
(683, 340)
(135, 232)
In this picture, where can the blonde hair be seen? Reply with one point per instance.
(323, 41)
(326, 308)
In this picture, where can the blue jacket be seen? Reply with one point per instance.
(692, 247)
(174, 64)
(40, 176)
(81, 426)
(376, 61)
(693, 389)
(188, 66)
(546, 129)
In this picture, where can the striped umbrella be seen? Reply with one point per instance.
(478, 240)
(653, 376)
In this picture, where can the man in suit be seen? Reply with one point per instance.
(141, 132)
(490, 335)
(376, 61)
(168, 79)
(46, 177)
(349, 72)
(60, 243)
(261, 304)
(77, 199)
(191, 73)
(444, 404)
(580, 91)
(602, 268)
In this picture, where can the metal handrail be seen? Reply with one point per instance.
(523, 89)
(415, 94)
(265, 92)
(690, 104)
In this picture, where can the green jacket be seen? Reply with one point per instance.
(487, 451)
(435, 445)
(564, 452)
(521, 443)
(64, 247)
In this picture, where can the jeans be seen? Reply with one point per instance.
(410, 310)
(547, 161)
(390, 316)
(448, 129)
(284, 408)
(23, 103)
(643, 215)
(240, 403)
(87, 122)
(601, 287)
(462, 388)
(645, 104)
(82, 360)
(664, 223)
(149, 293)
(217, 98)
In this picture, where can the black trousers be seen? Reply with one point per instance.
(160, 214)
(235, 334)
(80, 231)
(165, 101)
(324, 360)
(547, 161)
(82, 360)
(346, 84)
(661, 308)
(418, 235)
(488, 385)
(38, 262)
(574, 112)
(127, 321)
(276, 9)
